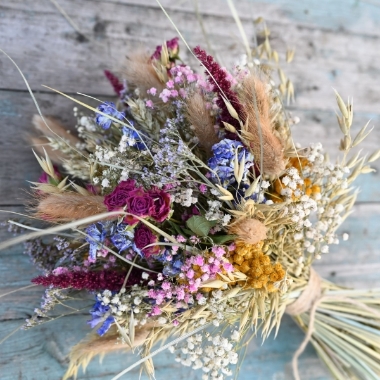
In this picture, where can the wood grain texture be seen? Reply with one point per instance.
(336, 46)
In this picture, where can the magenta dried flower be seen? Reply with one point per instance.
(118, 198)
(139, 203)
(115, 82)
(221, 85)
(143, 237)
(89, 280)
(173, 49)
(161, 208)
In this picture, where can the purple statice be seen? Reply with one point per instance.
(132, 138)
(45, 256)
(100, 314)
(121, 237)
(108, 108)
(97, 234)
(222, 161)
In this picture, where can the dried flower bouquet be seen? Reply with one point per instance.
(187, 205)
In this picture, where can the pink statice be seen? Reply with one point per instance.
(181, 239)
(232, 247)
(194, 239)
(176, 86)
(155, 311)
(152, 91)
(203, 188)
(218, 251)
(183, 294)
(165, 95)
(149, 103)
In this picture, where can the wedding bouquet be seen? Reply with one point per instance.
(188, 215)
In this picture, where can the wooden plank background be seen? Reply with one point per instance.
(337, 45)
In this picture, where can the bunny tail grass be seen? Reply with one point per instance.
(140, 73)
(94, 345)
(258, 120)
(67, 206)
(202, 121)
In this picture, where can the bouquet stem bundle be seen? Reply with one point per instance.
(343, 325)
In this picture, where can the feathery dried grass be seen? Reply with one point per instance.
(140, 73)
(69, 206)
(253, 89)
(55, 129)
(249, 231)
(202, 121)
(41, 143)
(93, 345)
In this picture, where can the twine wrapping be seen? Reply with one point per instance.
(311, 293)
(308, 301)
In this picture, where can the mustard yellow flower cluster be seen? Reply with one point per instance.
(250, 260)
(304, 185)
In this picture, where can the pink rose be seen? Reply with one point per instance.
(118, 198)
(129, 184)
(161, 207)
(143, 237)
(139, 203)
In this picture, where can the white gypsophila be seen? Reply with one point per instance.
(87, 123)
(185, 197)
(124, 303)
(214, 212)
(105, 182)
(226, 219)
(214, 359)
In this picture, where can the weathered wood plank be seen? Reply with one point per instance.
(324, 57)
(18, 162)
(39, 354)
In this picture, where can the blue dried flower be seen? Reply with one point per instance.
(97, 233)
(121, 237)
(133, 138)
(98, 313)
(108, 108)
(222, 161)
(106, 325)
(172, 267)
(240, 195)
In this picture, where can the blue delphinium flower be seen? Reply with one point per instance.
(132, 138)
(222, 161)
(99, 314)
(97, 233)
(108, 108)
(121, 237)
(171, 267)
(240, 195)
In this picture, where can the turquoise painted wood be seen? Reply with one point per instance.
(336, 46)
